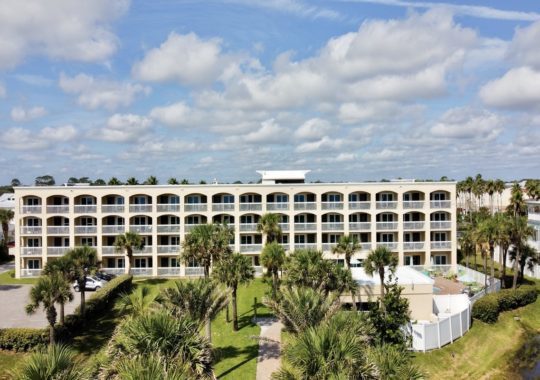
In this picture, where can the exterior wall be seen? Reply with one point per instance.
(533, 208)
(71, 211)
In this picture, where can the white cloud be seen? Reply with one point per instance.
(3, 91)
(468, 123)
(95, 93)
(324, 144)
(123, 128)
(58, 134)
(17, 138)
(376, 111)
(519, 88)
(269, 132)
(524, 46)
(60, 29)
(34, 80)
(159, 148)
(313, 129)
(20, 114)
(171, 115)
(296, 7)
(186, 59)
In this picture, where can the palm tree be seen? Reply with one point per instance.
(138, 301)
(60, 267)
(6, 216)
(503, 240)
(150, 367)
(172, 181)
(114, 182)
(394, 363)
(376, 261)
(499, 188)
(132, 181)
(206, 244)
(347, 245)
(53, 362)
(466, 243)
(490, 189)
(269, 227)
(486, 233)
(273, 258)
(199, 299)
(528, 258)
(175, 338)
(82, 261)
(151, 181)
(128, 242)
(520, 232)
(532, 186)
(184, 182)
(478, 189)
(300, 308)
(468, 187)
(46, 292)
(232, 271)
(517, 206)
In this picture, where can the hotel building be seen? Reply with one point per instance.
(416, 220)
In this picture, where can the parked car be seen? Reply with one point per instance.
(103, 276)
(92, 283)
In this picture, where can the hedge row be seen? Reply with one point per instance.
(487, 308)
(22, 339)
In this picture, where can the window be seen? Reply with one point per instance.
(85, 221)
(227, 199)
(89, 241)
(193, 199)
(174, 199)
(140, 263)
(412, 260)
(121, 263)
(246, 219)
(246, 239)
(87, 201)
(299, 239)
(332, 238)
(386, 217)
(175, 240)
(300, 219)
(440, 196)
(33, 242)
(334, 218)
(439, 236)
(440, 259)
(353, 197)
(33, 264)
(140, 221)
(439, 216)
(386, 197)
(281, 198)
(334, 197)
(387, 238)
(140, 199)
(300, 198)
(33, 222)
(32, 202)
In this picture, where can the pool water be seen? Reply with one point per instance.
(436, 290)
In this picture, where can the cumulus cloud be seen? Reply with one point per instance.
(171, 115)
(324, 144)
(519, 88)
(96, 93)
(20, 114)
(17, 138)
(524, 46)
(313, 129)
(468, 123)
(124, 128)
(269, 132)
(60, 29)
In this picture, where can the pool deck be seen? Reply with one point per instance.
(448, 286)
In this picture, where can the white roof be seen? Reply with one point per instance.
(404, 275)
(7, 200)
(283, 174)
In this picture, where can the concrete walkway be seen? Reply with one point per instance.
(269, 360)
(7, 266)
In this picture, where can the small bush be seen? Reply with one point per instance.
(23, 339)
(486, 309)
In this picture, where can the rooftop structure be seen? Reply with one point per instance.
(283, 176)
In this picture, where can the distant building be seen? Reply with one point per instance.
(533, 212)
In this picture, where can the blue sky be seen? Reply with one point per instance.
(351, 89)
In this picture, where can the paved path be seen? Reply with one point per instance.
(7, 266)
(269, 360)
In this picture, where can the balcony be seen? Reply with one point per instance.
(31, 230)
(144, 251)
(194, 271)
(141, 271)
(248, 227)
(113, 229)
(196, 207)
(413, 245)
(250, 247)
(168, 249)
(305, 245)
(413, 225)
(250, 206)
(413, 204)
(387, 225)
(168, 271)
(31, 210)
(392, 245)
(441, 244)
(388, 205)
(441, 225)
(30, 272)
(57, 251)
(140, 208)
(168, 228)
(115, 271)
(305, 226)
(327, 247)
(85, 209)
(305, 206)
(277, 206)
(110, 250)
(63, 209)
(141, 228)
(284, 226)
(359, 226)
(332, 226)
(190, 227)
(58, 230)
(112, 208)
(219, 207)
(32, 251)
(168, 207)
(83, 230)
(359, 205)
(440, 204)
(332, 205)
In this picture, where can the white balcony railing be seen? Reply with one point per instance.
(332, 226)
(113, 229)
(168, 271)
(327, 247)
(115, 271)
(57, 251)
(440, 204)
(388, 244)
(387, 225)
(359, 226)
(141, 271)
(277, 206)
(248, 227)
(168, 228)
(359, 205)
(141, 228)
(31, 230)
(284, 226)
(112, 208)
(32, 251)
(305, 206)
(168, 249)
(413, 204)
(441, 225)
(441, 244)
(82, 230)
(413, 245)
(195, 207)
(31, 209)
(305, 226)
(85, 209)
(144, 251)
(190, 227)
(218, 207)
(305, 245)
(61, 209)
(332, 205)
(250, 206)
(140, 208)
(55, 230)
(385, 205)
(250, 247)
(30, 272)
(413, 225)
(110, 250)
(194, 271)
(168, 207)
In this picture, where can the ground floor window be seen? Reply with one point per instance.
(440, 259)
(413, 260)
(33, 264)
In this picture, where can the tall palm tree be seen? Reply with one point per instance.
(478, 189)
(53, 362)
(503, 240)
(82, 261)
(486, 234)
(232, 271)
(137, 302)
(532, 186)
(269, 227)
(490, 189)
(520, 232)
(499, 188)
(466, 243)
(207, 244)
(62, 268)
(273, 258)
(517, 206)
(468, 187)
(152, 180)
(132, 181)
(347, 245)
(172, 181)
(114, 182)
(200, 299)
(151, 367)
(299, 308)
(394, 363)
(46, 292)
(128, 242)
(377, 260)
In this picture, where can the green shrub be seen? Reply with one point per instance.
(486, 309)
(23, 339)
(510, 299)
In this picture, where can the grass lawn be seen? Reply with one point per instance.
(8, 278)
(486, 351)
(8, 360)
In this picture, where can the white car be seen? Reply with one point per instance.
(92, 283)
